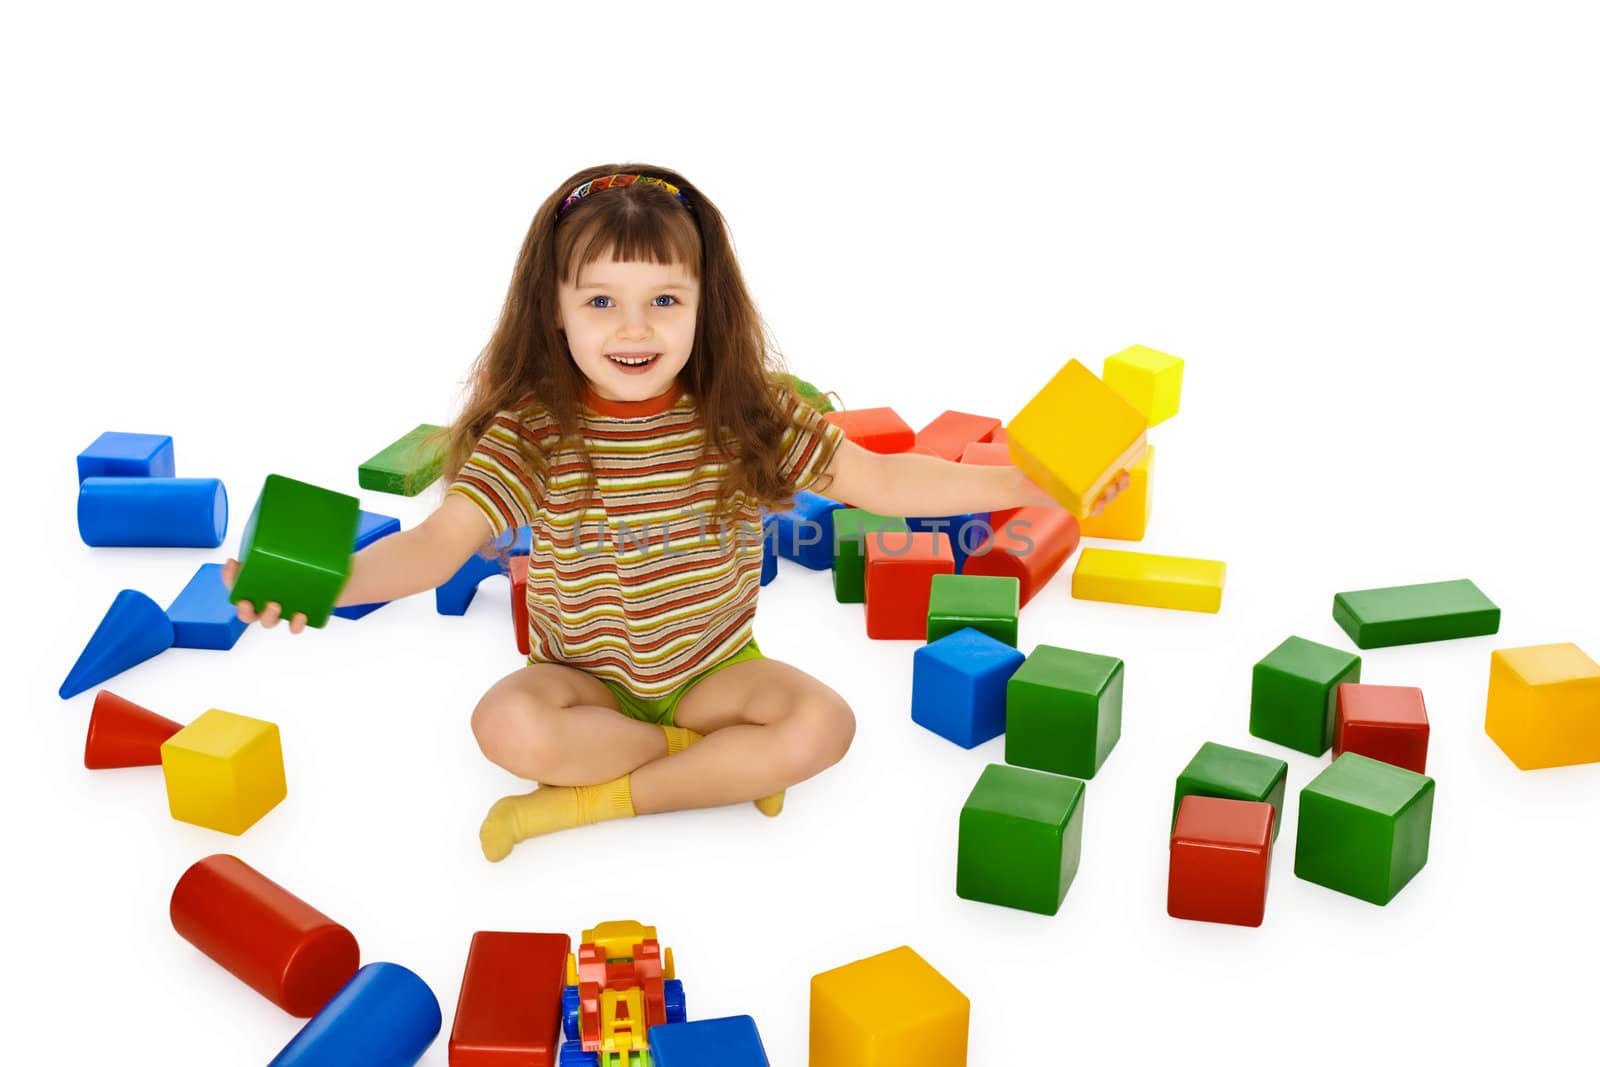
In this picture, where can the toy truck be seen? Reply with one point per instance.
(619, 984)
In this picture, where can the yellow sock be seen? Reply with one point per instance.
(681, 737)
(551, 808)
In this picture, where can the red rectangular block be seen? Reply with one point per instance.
(900, 569)
(874, 429)
(509, 1012)
(949, 434)
(1029, 544)
(1221, 853)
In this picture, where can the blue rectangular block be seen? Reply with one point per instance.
(805, 531)
(201, 616)
(128, 455)
(370, 527)
(730, 1042)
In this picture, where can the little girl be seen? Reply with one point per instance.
(627, 333)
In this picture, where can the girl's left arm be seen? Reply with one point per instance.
(912, 484)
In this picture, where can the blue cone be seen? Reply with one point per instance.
(134, 629)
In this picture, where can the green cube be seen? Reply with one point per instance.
(1020, 839)
(1412, 614)
(1063, 711)
(984, 602)
(408, 466)
(1363, 827)
(1233, 774)
(1294, 692)
(296, 548)
(850, 529)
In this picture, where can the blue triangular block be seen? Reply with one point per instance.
(202, 616)
(134, 629)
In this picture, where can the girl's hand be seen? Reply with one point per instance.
(1110, 492)
(247, 610)
(1034, 494)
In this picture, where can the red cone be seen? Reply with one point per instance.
(122, 734)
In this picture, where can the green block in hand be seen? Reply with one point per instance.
(296, 549)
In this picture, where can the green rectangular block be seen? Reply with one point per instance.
(1234, 774)
(850, 529)
(1020, 839)
(989, 603)
(1294, 692)
(295, 549)
(1412, 614)
(408, 466)
(1363, 827)
(1063, 711)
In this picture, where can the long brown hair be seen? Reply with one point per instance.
(731, 366)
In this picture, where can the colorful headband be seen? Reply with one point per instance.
(615, 181)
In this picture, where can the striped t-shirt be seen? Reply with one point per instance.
(649, 588)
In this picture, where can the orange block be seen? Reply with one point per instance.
(1544, 705)
(874, 429)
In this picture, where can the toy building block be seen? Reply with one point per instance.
(1382, 722)
(296, 549)
(152, 512)
(1294, 694)
(1020, 839)
(875, 429)
(134, 629)
(1127, 517)
(123, 734)
(888, 1010)
(457, 593)
(851, 527)
(263, 935)
(805, 531)
(1076, 437)
(1149, 380)
(1363, 827)
(1544, 705)
(509, 1010)
(1030, 545)
(733, 1041)
(223, 771)
(370, 527)
(384, 1015)
(900, 570)
(519, 602)
(1233, 774)
(999, 436)
(408, 466)
(966, 532)
(128, 455)
(1064, 711)
(808, 392)
(1219, 857)
(769, 548)
(201, 615)
(1412, 614)
(958, 685)
(1147, 580)
(981, 601)
(948, 435)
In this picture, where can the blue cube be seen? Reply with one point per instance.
(128, 455)
(805, 531)
(958, 686)
(729, 1042)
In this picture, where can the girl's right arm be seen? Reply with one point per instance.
(396, 566)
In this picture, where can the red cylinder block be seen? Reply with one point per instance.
(267, 937)
(1029, 544)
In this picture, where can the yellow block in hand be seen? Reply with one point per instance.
(888, 1010)
(1150, 581)
(1126, 517)
(1149, 380)
(1075, 437)
(1544, 705)
(223, 771)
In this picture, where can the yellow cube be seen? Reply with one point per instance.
(1544, 705)
(223, 771)
(888, 1010)
(1149, 380)
(1147, 580)
(1075, 437)
(1126, 517)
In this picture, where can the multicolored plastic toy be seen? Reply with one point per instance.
(620, 983)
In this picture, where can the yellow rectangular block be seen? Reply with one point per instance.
(1149, 581)
(888, 1010)
(223, 771)
(1544, 705)
(1149, 380)
(1128, 516)
(1075, 436)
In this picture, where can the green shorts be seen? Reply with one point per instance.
(660, 710)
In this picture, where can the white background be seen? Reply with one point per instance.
(281, 234)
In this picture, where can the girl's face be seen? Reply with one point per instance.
(629, 310)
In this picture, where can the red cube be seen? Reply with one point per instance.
(1382, 722)
(1221, 851)
(900, 569)
(874, 429)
